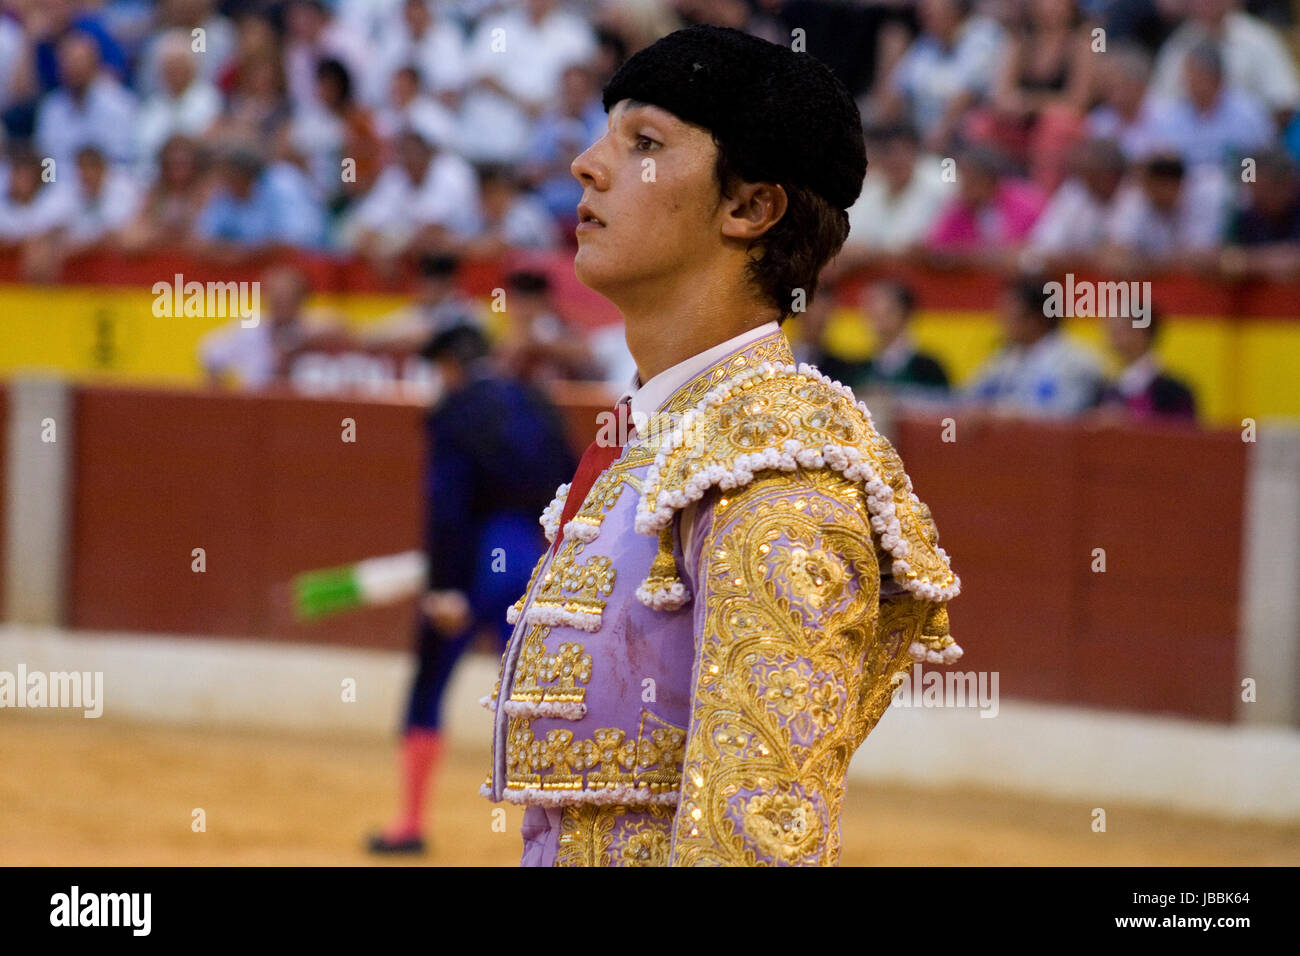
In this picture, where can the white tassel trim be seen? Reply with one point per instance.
(663, 599)
(559, 617)
(919, 652)
(577, 529)
(559, 709)
(512, 614)
(550, 519)
(656, 508)
(623, 793)
(487, 702)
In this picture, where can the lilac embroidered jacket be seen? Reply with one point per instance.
(661, 704)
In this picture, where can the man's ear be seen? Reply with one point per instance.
(753, 210)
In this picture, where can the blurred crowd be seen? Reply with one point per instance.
(1022, 136)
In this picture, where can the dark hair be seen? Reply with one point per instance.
(1166, 166)
(795, 249)
(460, 343)
(435, 265)
(1031, 294)
(529, 281)
(901, 293)
(333, 70)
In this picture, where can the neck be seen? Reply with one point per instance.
(699, 315)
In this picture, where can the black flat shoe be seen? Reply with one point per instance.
(381, 844)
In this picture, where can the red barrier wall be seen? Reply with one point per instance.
(267, 487)
(1021, 508)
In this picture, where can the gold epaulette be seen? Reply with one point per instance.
(783, 417)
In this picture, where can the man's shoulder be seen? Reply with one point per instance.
(779, 420)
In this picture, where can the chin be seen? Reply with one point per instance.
(591, 271)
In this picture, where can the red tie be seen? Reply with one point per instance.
(594, 461)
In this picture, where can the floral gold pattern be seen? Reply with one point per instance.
(593, 835)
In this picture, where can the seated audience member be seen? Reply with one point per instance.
(1170, 217)
(541, 346)
(1124, 113)
(184, 104)
(905, 191)
(32, 208)
(948, 68)
(423, 38)
(1263, 236)
(106, 200)
(90, 108)
(426, 196)
(1255, 58)
(172, 204)
(991, 215)
(512, 218)
(438, 305)
(1210, 122)
(331, 131)
(1073, 226)
(897, 364)
(1142, 390)
(809, 345)
(1043, 87)
(1038, 372)
(408, 106)
(561, 133)
(257, 356)
(257, 205)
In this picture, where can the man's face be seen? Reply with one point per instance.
(650, 179)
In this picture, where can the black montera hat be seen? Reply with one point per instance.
(782, 116)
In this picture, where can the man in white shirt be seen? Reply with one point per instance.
(1256, 59)
(183, 104)
(515, 61)
(423, 190)
(1168, 216)
(107, 200)
(1075, 220)
(91, 108)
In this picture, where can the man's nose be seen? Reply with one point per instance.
(587, 167)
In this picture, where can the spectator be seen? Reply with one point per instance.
(1171, 217)
(560, 134)
(810, 343)
(438, 305)
(1142, 390)
(257, 102)
(172, 204)
(1255, 58)
(1044, 86)
(1125, 111)
(91, 108)
(1264, 234)
(1074, 224)
(198, 20)
(257, 356)
(183, 104)
(431, 43)
(258, 205)
(541, 347)
(427, 196)
(333, 129)
(1038, 372)
(991, 215)
(106, 200)
(897, 364)
(409, 106)
(313, 35)
(946, 70)
(1210, 122)
(512, 218)
(33, 207)
(902, 197)
(515, 61)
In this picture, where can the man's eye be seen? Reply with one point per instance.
(644, 139)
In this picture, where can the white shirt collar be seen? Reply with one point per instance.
(1138, 376)
(648, 398)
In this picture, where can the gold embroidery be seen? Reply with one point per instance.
(593, 835)
(795, 661)
(586, 583)
(765, 412)
(558, 761)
